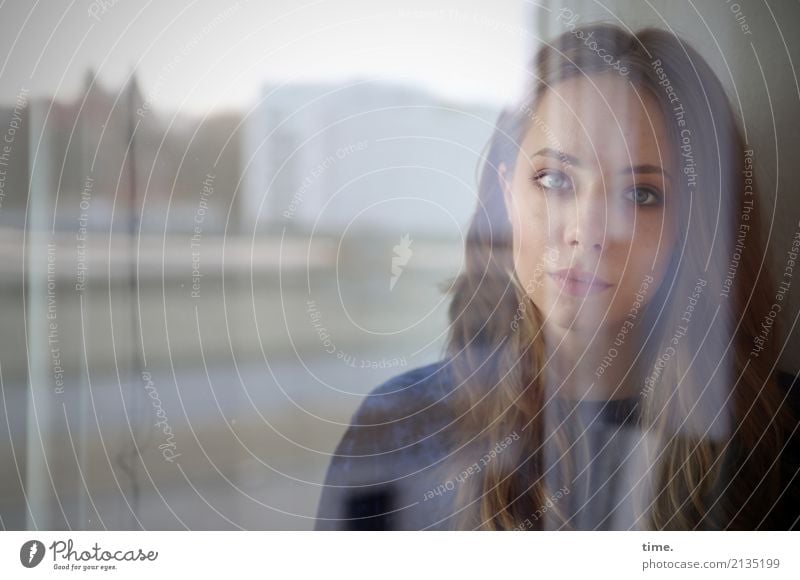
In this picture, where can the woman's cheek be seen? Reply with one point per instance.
(651, 236)
(534, 261)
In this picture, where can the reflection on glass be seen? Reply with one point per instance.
(607, 365)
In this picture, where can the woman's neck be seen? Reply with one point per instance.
(586, 367)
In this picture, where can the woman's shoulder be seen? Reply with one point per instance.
(407, 410)
(406, 395)
(386, 460)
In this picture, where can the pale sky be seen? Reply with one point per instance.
(196, 55)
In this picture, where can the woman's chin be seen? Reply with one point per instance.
(591, 321)
(570, 320)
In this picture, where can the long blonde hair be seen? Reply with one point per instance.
(710, 416)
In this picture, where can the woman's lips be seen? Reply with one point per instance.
(579, 283)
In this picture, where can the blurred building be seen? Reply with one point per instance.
(85, 154)
(364, 156)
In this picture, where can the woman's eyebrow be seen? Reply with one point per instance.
(565, 158)
(646, 168)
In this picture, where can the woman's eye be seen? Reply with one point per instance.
(550, 179)
(643, 196)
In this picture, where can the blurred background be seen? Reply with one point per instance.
(223, 223)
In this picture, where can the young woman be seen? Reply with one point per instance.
(611, 362)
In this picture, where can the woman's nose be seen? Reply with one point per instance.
(587, 219)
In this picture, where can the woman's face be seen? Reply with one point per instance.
(591, 202)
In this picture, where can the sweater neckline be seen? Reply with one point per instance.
(605, 410)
